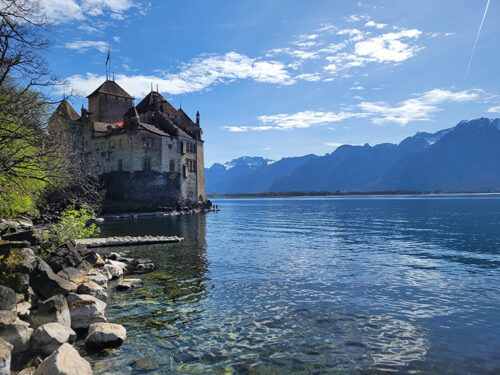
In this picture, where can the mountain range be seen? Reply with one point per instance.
(465, 157)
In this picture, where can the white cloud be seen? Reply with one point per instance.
(333, 144)
(68, 10)
(116, 39)
(419, 108)
(84, 45)
(389, 47)
(310, 77)
(303, 119)
(197, 75)
(236, 129)
(494, 109)
(376, 25)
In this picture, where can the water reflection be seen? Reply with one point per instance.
(316, 286)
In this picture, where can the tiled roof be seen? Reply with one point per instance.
(153, 129)
(111, 88)
(102, 127)
(153, 97)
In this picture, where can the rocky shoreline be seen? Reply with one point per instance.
(49, 301)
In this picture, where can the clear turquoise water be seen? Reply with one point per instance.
(362, 285)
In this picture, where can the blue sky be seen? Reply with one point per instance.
(282, 78)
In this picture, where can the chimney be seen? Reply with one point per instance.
(198, 119)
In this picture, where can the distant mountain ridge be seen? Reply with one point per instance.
(464, 157)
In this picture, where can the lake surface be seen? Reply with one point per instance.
(350, 285)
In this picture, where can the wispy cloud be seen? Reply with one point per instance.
(419, 108)
(84, 45)
(495, 109)
(197, 75)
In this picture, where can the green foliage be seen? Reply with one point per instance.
(73, 225)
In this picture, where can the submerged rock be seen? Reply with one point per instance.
(145, 364)
(85, 310)
(105, 335)
(49, 337)
(64, 361)
(53, 310)
(127, 284)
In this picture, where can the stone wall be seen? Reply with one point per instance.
(108, 108)
(154, 187)
(200, 171)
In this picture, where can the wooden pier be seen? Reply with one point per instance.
(127, 241)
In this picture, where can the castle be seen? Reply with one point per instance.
(151, 152)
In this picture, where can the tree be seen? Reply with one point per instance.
(35, 166)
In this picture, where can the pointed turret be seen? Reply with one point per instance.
(198, 118)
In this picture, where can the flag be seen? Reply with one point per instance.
(107, 58)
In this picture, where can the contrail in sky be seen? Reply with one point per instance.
(477, 37)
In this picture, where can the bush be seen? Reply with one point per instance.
(73, 225)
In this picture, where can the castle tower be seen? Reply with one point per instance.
(109, 102)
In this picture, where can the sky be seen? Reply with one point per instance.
(280, 78)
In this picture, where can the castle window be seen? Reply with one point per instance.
(146, 165)
(191, 165)
(183, 147)
(111, 145)
(120, 164)
(148, 142)
(172, 165)
(184, 171)
(97, 146)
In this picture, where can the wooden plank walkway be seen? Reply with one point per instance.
(127, 241)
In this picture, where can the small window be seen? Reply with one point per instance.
(120, 164)
(184, 171)
(172, 165)
(97, 147)
(183, 148)
(147, 142)
(146, 166)
(170, 145)
(111, 145)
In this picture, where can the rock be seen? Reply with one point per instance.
(93, 289)
(144, 268)
(85, 266)
(127, 284)
(49, 337)
(117, 269)
(46, 283)
(28, 371)
(63, 257)
(145, 364)
(18, 281)
(64, 361)
(8, 245)
(5, 357)
(23, 309)
(72, 274)
(105, 272)
(23, 235)
(19, 260)
(18, 335)
(53, 310)
(114, 256)
(7, 298)
(85, 310)
(96, 276)
(105, 335)
(8, 316)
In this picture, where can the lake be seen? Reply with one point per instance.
(321, 285)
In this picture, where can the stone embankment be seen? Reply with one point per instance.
(52, 306)
(126, 241)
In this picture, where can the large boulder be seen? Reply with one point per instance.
(18, 335)
(46, 283)
(97, 277)
(53, 310)
(63, 257)
(5, 357)
(19, 260)
(115, 268)
(24, 310)
(85, 310)
(93, 289)
(64, 361)
(28, 235)
(105, 335)
(49, 337)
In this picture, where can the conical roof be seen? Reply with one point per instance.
(111, 88)
(65, 111)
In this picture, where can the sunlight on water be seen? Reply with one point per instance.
(316, 285)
